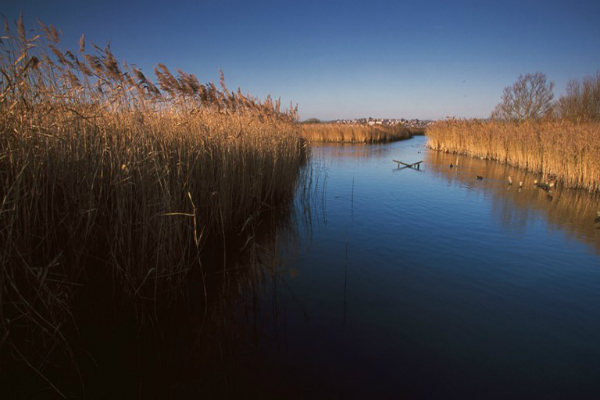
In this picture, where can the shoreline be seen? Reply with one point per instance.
(561, 152)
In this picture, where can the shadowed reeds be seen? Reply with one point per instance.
(106, 176)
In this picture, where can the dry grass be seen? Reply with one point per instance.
(105, 174)
(342, 133)
(558, 149)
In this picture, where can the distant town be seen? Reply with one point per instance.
(409, 123)
(412, 123)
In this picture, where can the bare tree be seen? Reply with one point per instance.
(530, 97)
(582, 101)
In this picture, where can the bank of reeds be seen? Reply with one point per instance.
(353, 133)
(107, 176)
(559, 150)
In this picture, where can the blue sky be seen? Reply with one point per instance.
(344, 59)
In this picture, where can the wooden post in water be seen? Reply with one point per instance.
(417, 164)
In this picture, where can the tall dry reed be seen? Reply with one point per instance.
(558, 149)
(105, 175)
(353, 133)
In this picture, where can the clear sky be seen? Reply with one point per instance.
(344, 59)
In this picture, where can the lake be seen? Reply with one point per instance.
(424, 283)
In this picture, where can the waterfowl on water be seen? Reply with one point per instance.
(544, 186)
(479, 177)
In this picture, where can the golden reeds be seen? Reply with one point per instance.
(558, 149)
(353, 133)
(105, 174)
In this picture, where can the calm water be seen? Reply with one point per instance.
(426, 284)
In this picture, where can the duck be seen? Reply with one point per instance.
(479, 177)
(543, 186)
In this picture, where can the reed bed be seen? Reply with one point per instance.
(353, 133)
(559, 150)
(107, 176)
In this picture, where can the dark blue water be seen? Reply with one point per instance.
(430, 284)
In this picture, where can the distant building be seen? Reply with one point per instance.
(385, 121)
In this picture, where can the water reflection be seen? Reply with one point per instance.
(418, 284)
(400, 283)
(186, 344)
(517, 205)
(240, 325)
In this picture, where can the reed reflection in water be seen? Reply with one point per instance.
(421, 284)
(399, 283)
(517, 204)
